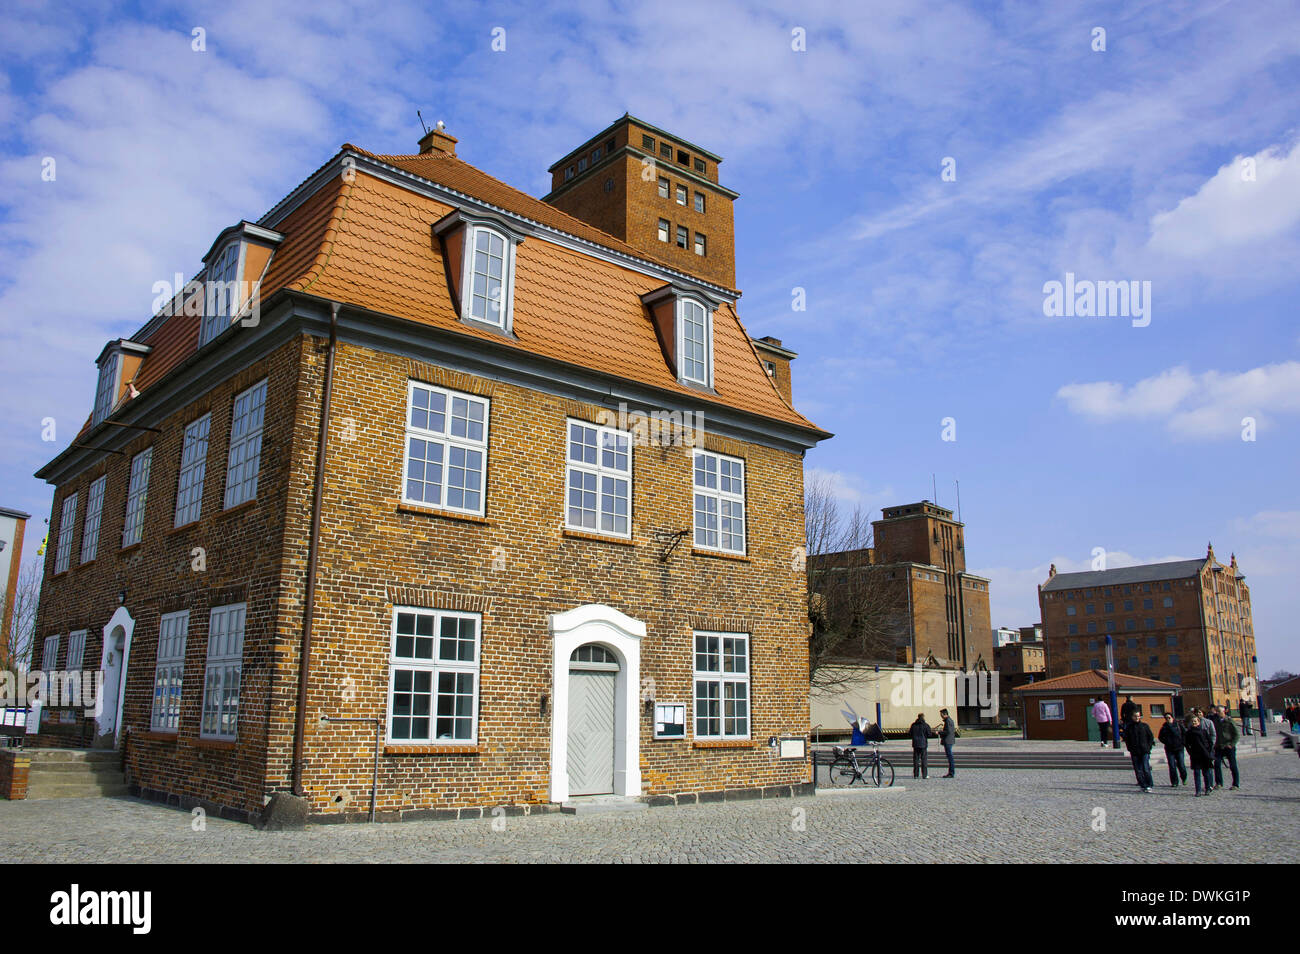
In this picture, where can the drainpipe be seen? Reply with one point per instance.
(313, 557)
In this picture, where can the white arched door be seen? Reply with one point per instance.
(114, 658)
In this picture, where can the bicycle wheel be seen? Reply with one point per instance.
(841, 772)
(882, 773)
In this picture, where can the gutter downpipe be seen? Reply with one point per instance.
(313, 556)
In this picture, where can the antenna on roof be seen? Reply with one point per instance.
(958, 483)
(423, 125)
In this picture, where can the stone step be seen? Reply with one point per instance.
(88, 769)
(78, 789)
(602, 804)
(43, 756)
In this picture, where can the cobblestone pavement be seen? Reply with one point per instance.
(980, 816)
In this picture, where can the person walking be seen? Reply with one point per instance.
(1200, 752)
(1101, 713)
(947, 736)
(1216, 720)
(1140, 742)
(920, 733)
(1225, 750)
(1171, 737)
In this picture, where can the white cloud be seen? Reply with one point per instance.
(849, 488)
(1207, 405)
(1230, 211)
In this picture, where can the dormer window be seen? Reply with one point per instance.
(683, 319)
(234, 268)
(480, 258)
(118, 364)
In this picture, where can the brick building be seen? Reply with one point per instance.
(493, 476)
(940, 612)
(1061, 707)
(1187, 622)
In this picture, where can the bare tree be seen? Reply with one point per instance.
(16, 645)
(857, 607)
(1281, 675)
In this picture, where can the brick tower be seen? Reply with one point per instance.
(655, 191)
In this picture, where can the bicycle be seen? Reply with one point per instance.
(845, 768)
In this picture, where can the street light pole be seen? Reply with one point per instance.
(1110, 685)
(1259, 700)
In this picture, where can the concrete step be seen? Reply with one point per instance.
(78, 789)
(44, 756)
(73, 770)
(601, 804)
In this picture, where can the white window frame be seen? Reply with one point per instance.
(722, 678)
(699, 201)
(683, 304)
(683, 237)
(93, 519)
(67, 526)
(507, 302)
(665, 230)
(169, 672)
(137, 498)
(194, 465)
(106, 388)
(50, 653)
(223, 672)
(76, 650)
(436, 665)
(701, 244)
(665, 188)
(242, 474)
(601, 472)
(719, 497)
(680, 197)
(226, 267)
(448, 441)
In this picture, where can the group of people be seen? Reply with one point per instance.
(1292, 716)
(921, 733)
(1209, 741)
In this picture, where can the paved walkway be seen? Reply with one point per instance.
(984, 815)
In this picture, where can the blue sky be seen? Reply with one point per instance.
(924, 296)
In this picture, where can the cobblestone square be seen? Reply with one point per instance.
(980, 816)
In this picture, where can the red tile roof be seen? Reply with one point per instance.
(366, 242)
(1095, 679)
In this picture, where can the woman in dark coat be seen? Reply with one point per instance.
(1200, 752)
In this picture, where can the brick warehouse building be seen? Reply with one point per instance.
(485, 552)
(1187, 622)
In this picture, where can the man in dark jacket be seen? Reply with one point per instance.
(1200, 751)
(1127, 710)
(947, 736)
(1225, 750)
(920, 733)
(1216, 722)
(1140, 742)
(1171, 737)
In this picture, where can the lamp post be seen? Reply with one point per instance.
(1259, 701)
(1110, 686)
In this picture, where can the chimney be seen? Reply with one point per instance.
(438, 139)
(776, 361)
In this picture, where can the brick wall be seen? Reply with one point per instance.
(14, 770)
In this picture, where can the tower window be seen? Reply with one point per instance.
(682, 236)
(648, 142)
(699, 202)
(663, 188)
(582, 164)
(683, 157)
(681, 195)
(663, 230)
(666, 150)
(609, 147)
(699, 244)
(699, 165)
(569, 173)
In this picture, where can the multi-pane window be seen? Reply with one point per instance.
(220, 296)
(721, 686)
(94, 515)
(647, 142)
(245, 459)
(1070, 610)
(699, 165)
(446, 448)
(489, 265)
(719, 502)
(433, 676)
(681, 194)
(666, 150)
(699, 244)
(599, 479)
(106, 388)
(76, 650)
(170, 671)
(683, 236)
(664, 227)
(663, 188)
(699, 202)
(223, 672)
(194, 461)
(50, 653)
(693, 337)
(137, 493)
(67, 523)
